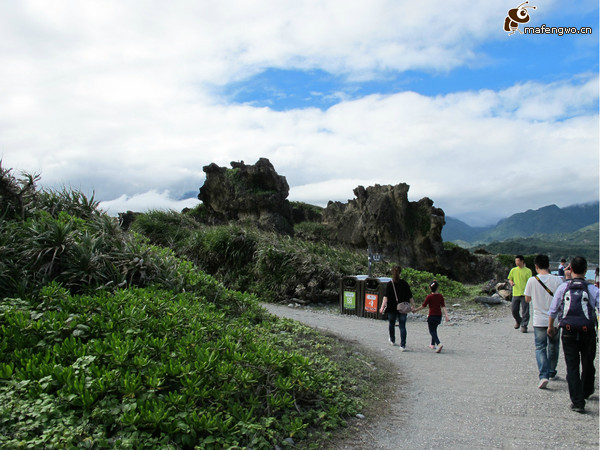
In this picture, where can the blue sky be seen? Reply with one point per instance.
(129, 100)
(504, 62)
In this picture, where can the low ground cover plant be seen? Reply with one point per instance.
(144, 367)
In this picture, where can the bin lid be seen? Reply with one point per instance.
(372, 283)
(375, 282)
(357, 277)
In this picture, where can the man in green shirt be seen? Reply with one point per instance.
(517, 278)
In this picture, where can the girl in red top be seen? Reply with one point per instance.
(436, 308)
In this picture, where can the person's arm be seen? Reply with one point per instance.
(419, 308)
(551, 329)
(595, 297)
(445, 311)
(510, 278)
(412, 305)
(568, 273)
(553, 311)
(383, 305)
(529, 289)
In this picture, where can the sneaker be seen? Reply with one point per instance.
(579, 409)
(431, 346)
(543, 383)
(402, 349)
(517, 326)
(523, 329)
(554, 378)
(392, 342)
(439, 348)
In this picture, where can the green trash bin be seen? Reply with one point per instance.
(373, 293)
(351, 294)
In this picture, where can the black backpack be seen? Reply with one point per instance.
(575, 311)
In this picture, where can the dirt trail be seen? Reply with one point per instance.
(479, 392)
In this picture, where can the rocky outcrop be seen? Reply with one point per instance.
(382, 218)
(127, 218)
(253, 194)
(303, 212)
(462, 265)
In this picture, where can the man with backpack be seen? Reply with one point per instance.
(574, 304)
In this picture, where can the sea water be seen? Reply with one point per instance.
(589, 275)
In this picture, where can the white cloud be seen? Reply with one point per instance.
(117, 98)
(151, 200)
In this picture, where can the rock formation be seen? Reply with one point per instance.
(248, 193)
(467, 267)
(382, 218)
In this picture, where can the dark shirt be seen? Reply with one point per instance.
(403, 291)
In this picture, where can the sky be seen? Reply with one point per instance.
(127, 100)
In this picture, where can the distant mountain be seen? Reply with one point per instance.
(189, 194)
(546, 220)
(583, 242)
(457, 230)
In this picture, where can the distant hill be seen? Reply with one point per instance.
(546, 220)
(583, 242)
(456, 230)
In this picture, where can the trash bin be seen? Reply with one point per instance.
(374, 291)
(351, 294)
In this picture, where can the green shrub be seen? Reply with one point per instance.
(145, 368)
(419, 284)
(450, 245)
(165, 228)
(312, 231)
(284, 266)
(84, 255)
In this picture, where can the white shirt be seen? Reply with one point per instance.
(540, 299)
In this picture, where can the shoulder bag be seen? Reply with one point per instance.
(544, 286)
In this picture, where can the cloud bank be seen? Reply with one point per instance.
(124, 99)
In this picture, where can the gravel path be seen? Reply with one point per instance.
(479, 392)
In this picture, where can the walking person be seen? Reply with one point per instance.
(397, 292)
(539, 292)
(437, 306)
(517, 278)
(561, 267)
(575, 303)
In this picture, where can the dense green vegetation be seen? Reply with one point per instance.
(148, 368)
(269, 265)
(109, 340)
(155, 337)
